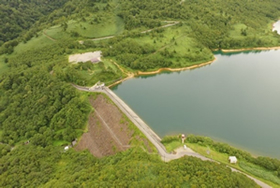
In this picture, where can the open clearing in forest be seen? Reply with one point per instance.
(94, 57)
(89, 28)
(108, 132)
(176, 40)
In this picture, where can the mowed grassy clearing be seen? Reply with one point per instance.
(3, 66)
(109, 25)
(105, 71)
(176, 40)
(269, 37)
(254, 170)
(34, 43)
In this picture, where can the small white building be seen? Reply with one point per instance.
(232, 159)
(66, 148)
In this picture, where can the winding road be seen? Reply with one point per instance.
(152, 136)
(169, 24)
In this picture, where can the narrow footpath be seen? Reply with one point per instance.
(152, 136)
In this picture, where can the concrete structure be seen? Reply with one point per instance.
(232, 159)
(97, 86)
(93, 57)
(74, 142)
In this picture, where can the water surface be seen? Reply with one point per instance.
(236, 100)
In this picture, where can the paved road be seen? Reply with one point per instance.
(152, 136)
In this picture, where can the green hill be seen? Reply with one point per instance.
(39, 104)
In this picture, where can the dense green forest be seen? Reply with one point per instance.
(39, 106)
(18, 16)
(49, 167)
(212, 22)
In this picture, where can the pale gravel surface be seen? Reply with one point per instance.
(84, 57)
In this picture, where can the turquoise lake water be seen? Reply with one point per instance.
(235, 100)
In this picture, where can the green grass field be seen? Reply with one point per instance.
(109, 25)
(268, 38)
(57, 33)
(260, 172)
(236, 32)
(34, 43)
(60, 143)
(3, 65)
(176, 39)
(89, 74)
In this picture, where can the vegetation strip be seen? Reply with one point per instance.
(249, 49)
(175, 69)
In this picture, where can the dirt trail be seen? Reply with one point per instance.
(170, 23)
(49, 37)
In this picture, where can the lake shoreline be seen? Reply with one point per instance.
(207, 85)
(249, 49)
(140, 73)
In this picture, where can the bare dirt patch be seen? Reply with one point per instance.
(108, 131)
(94, 57)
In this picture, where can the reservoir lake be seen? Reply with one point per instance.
(235, 100)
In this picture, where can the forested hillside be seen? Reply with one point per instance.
(212, 22)
(49, 167)
(41, 112)
(18, 16)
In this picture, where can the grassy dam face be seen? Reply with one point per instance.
(235, 100)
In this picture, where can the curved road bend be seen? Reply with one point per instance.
(152, 136)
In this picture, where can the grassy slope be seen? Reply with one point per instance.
(3, 65)
(110, 25)
(176, 38)
(266, 35)
(34, 43)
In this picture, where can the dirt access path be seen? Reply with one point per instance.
(169, 24)
(49, 37)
